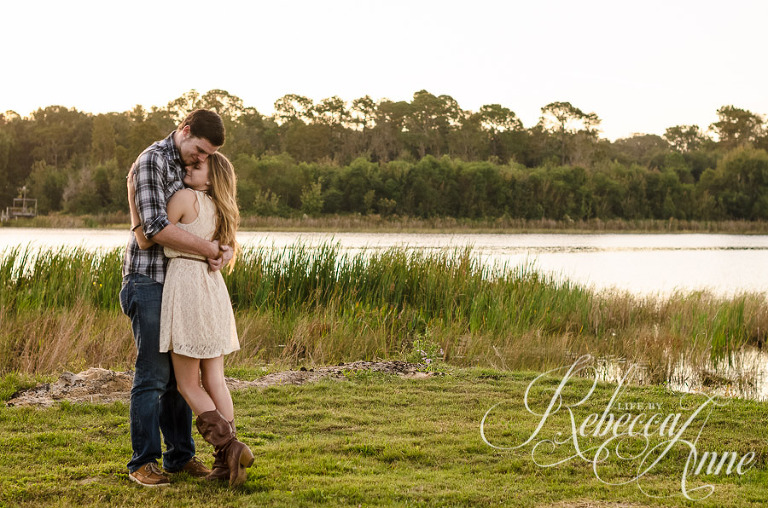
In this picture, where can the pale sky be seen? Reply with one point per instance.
(641, 66)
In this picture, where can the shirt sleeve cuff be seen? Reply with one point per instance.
(155, 225)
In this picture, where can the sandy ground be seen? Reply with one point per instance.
(97, 385)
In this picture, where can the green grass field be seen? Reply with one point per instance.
(380, 440)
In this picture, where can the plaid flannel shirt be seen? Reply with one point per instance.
(158, 175)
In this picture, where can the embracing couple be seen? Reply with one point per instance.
(182, 195)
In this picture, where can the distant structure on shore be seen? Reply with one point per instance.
(22, 207)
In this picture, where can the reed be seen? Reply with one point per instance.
(59, 278)
(321, 305)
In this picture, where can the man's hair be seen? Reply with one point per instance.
(207, 124)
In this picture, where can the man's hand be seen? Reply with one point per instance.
(225, 255)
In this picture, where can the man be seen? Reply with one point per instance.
(156, 404)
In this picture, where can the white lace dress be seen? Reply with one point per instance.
(196, 318)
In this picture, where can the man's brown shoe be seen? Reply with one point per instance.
(196, 468)
(149, 475)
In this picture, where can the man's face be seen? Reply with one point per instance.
(194, 150)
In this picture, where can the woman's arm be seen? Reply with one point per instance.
(136, 225)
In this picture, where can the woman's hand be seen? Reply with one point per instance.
(131, 184)
(141, 240)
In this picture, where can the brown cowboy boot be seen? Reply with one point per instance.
(229, 453)
(220, 469)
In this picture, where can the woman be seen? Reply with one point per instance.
(197, 322)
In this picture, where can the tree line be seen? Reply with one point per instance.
(425, 158)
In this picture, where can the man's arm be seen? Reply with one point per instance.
(184, 241)
(176, 238)
(151, 205)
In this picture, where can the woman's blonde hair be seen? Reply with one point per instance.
(223, 192)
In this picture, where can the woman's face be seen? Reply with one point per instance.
(196, 176)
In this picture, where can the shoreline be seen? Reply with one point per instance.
(437, 225)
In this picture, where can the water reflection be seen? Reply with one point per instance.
(744, 374)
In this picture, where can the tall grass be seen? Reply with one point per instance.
(33, 279)
(321, 304)
(423, 286)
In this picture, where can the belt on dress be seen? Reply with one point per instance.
(191, 259)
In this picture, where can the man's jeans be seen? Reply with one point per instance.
(156, 404)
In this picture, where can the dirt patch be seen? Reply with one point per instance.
(97, 385)
(93, 385)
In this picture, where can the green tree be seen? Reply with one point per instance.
(740, 184)
(332, 113)
(429, 120)
(283, 177)
(291, 107)
(737, 126)
(312, 199)
(266, 203)
(468, 141)
(103, 143)
(180, 107)
(6, 143)
(482, 190)
(46, 184)
(430, 188)
(564, 121)
(495, 118)
(363, 113)
(61, 135)
(307, 142)
(685, 138)
(647, 150)
(663, 189)
(142, 135)
(387, 134)
(503, 130)
(17, 147)
(225, 104)
(353, 182)
(251, 134)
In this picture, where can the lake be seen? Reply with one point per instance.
(643, 264)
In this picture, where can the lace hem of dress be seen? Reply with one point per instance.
(203, 352)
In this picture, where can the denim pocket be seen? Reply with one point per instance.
(124, 297)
